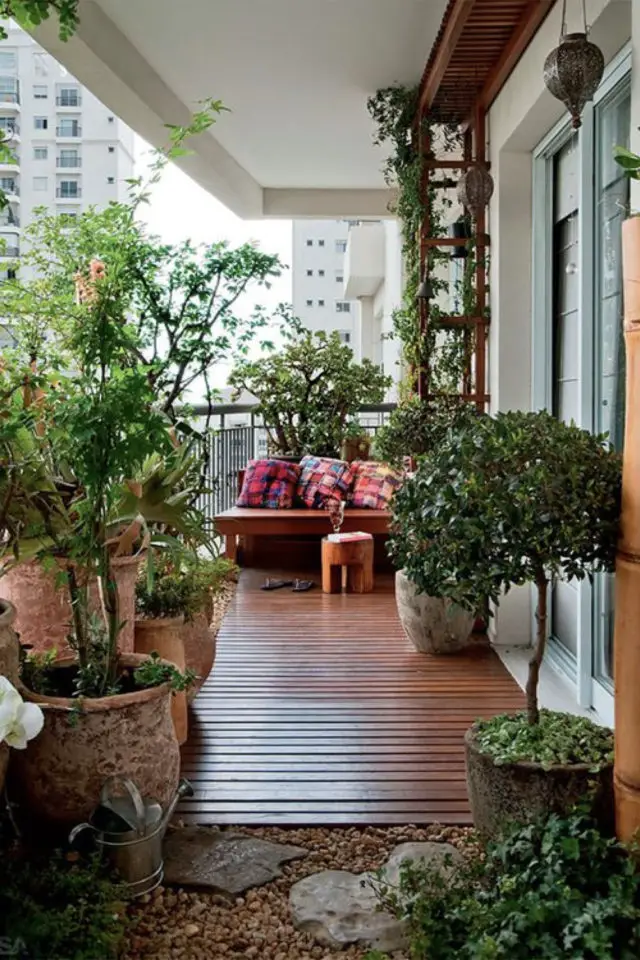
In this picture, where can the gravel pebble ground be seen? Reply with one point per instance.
(173, 924)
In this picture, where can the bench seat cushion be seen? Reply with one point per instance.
(322, 479)
(374, 485)
(270, 484)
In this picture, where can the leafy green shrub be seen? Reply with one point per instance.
(417, 426)
(555, 890)
(182, 586)
(51, 909)
(512, 499)
(558, 738)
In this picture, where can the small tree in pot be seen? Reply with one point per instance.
(514, 499)
(309, 391)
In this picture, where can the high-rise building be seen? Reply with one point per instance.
(70, 151)
(319, 248)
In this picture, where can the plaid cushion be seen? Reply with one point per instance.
(322, 479)
(374, 485)
(269, 483)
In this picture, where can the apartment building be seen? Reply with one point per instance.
(319, 250)
(70, 151)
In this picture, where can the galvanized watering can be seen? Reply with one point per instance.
(130, 831)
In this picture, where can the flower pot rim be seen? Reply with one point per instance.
(7, 613)
(97, 704)
(160, 623)
(532, 765)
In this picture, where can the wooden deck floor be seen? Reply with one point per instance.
(319, 711)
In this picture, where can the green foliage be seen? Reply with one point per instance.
(556, 890)
(629, 161)
(417, 426)
(444, 352)
(31, 13)
(511, 499)
(309, 391)
(36, 670)
(559, 738)
(182, 585)
(153, 672)
(56, 909)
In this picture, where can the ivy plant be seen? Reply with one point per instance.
(556, 890)
(512, 499)
(309, 391)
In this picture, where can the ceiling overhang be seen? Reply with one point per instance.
(295, 74)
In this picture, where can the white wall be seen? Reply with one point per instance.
(387, 299)
(521, 116)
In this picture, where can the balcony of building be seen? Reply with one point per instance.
(72, 131)
(69, 161)
(9, 130)
(364, 266)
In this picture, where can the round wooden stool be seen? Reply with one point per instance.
(356, 556)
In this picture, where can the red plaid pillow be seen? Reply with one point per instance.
(374, 485)
(322, 479)
(270, 484)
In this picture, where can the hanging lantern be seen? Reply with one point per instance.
(573, 71)
(425, 290)
(475, 189)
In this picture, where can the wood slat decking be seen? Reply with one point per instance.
(319, 711)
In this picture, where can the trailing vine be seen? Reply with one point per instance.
(443, 351)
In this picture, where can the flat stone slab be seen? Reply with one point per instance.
(228, 863)
(338, 908)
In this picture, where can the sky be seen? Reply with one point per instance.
(181, 209)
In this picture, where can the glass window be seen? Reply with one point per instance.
(309, 243)
(309, 273)
(309, 303)
(68, 127)
(343, 306)
(68, 97)
(321, 303)
(321, 243)
(321, 273)
(40, 123)
(40, 153)
(341, 246)
(40, 65)
(8, 60)
(68, 188)
(40, 91)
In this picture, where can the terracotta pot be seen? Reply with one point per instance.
(509, 793)
(59, 776)
(165, 636)
(199, 649)
(44, 613)
(9, 666)
(433, 624)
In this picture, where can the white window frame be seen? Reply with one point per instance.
(589, 692)
(44, 150)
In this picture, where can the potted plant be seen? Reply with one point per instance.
(105, 712)
(309, 391)
(521, 498)
(417, 428)
(356, 444)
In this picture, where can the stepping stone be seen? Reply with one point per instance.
(338, 908)
(228, 863)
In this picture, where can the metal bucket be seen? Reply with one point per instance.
(129, 832)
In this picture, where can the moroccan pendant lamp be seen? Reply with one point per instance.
(573, 70)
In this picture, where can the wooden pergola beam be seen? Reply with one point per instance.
(458, 14)
(533, 15)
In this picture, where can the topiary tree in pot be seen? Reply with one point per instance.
(515, 499)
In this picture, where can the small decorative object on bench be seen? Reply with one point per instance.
(353, 551)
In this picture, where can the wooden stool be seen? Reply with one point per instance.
(356, 556)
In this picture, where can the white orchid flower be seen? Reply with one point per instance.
(19, 721)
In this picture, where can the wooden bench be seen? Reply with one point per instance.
(256, 522)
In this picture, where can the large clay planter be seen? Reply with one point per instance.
(59, 776)
(9, 667)
(44, 613)
(510, 793)
(165, 637)
(199, 641)
(432, 624)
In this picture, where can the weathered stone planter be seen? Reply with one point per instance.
(432, 624)
(165, 636)
(59, 776)
(522, 792)
(199, 640)
(44, 614)
(9, 665)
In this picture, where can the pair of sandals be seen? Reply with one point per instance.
(297, 586)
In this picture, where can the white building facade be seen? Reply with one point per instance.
(70, 151)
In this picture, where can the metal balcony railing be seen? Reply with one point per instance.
(226, 447)
(9, 129)
(9, 96)
(66, 194)
(63, 101)
(10, 187)
(64, 131)
(68, 161)
(9, 222)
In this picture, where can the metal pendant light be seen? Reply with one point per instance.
(425, 290)
(475, 189)
(573, 71)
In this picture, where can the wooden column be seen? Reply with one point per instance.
(423, 304)
(481, 270)
(627, 615)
